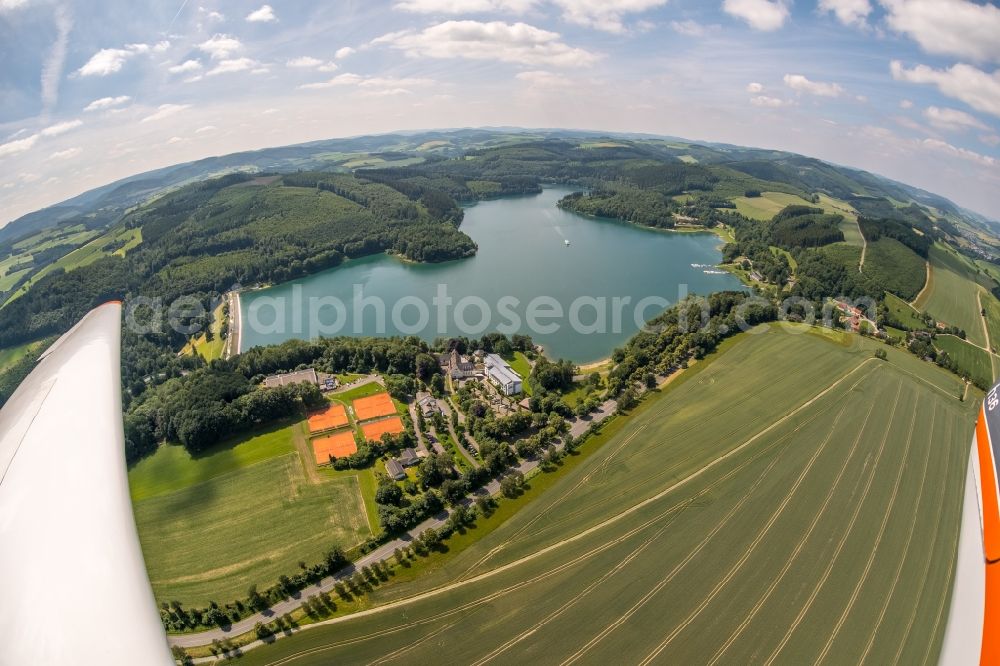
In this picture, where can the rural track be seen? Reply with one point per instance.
(748, 551)
(906, 546)
(840, 545)
(928, 283)
(627, 490)
(874, 551)
(927, 567)
(576, 537)
(944, 603)
(676, 570)
(798, 547)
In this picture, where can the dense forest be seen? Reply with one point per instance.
(204, 238)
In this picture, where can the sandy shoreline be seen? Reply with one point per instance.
(235, 326)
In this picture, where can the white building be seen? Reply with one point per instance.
(502, 375)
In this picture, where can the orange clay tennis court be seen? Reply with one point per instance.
(374, 406)
(338, 445)
(333, 416)
(373, 431)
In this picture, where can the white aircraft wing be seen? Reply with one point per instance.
(73, 584)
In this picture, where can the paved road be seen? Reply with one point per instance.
(577, 427)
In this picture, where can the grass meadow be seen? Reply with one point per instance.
(242, 514)
(952, 295)
(750, 512)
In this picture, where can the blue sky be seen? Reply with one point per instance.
(91, 92)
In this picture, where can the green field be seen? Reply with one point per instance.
(972, 361)
(903, 313)
(951, 297)
(753, 510)
(767, 205)
(87, 254)
(12, 355)
(895, 267)
(845, 254)
(212, 526)
(209, 349)
(520, 364)
(992, 307)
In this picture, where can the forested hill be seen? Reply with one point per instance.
(202, 239)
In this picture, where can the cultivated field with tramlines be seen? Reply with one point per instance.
(789, 500)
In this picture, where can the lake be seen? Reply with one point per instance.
(579, 286)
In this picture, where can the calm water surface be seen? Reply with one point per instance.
(522, 255)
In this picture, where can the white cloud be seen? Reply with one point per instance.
(344, 52)
(755, 88)
(165, 111)
(65, 154)
(497, 41)
(464, 6)
(800, 83)
(308, 62)
(952, 119)
(339, 80)
(970, 155)
(53, 68)
(11, 5)
(969, 84)
(211, 15)
(220, 47)
(105, 61)
(371, 85)
(992, 140)
(162, 46)
(691, 28)
(263, 15)
(948, 27)
(61, 128)
(768, 102)
(759, 14)
(848, 12)
(186, 66)
(233, 65)
(906, 104)
(543, 79)
(604, 15)
(107, 103)
(304, 62)
(175, 139)
(18, 146)
(206, 129)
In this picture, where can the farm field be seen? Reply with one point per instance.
(212, 526)
(952, 296)
(750, 512)
(767, 205)
(971, 360)
(992, 307)
(895, 267)
(903, 313)
(210, 349)
(87, 254)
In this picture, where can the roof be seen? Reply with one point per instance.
(394, 469)
(499, 368)
(298, 377)
(408, 457)
(64, 493)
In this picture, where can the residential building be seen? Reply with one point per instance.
(502, 375)
(427, 404)
(408, 458)
(394, 470)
